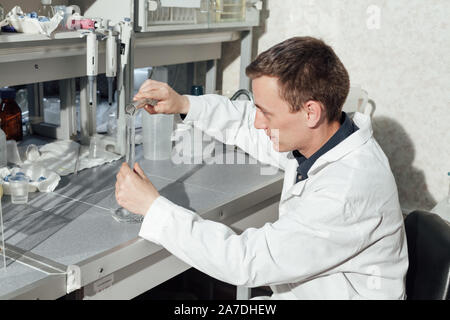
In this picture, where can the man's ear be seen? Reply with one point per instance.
(313, 112)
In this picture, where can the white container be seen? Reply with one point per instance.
(157, 132)
(3, 156)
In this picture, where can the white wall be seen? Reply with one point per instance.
(402, 59)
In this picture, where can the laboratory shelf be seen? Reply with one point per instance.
(72, 228)
(35, 58)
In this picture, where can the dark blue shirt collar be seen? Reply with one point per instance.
(346, 129)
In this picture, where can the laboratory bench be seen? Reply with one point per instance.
(67, 241)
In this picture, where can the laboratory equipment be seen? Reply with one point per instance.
(77, 22)
(133, 107)
(12, 152)
(70, 13)
(230, 10)
(32, 153)
(11, 115)
(18, 185)
(111, 61)
(122, 214)
(157, 130)
(46, 9)
(3, 157)
(124, 82)
(162, 13)
(94, 146)
(91, 62)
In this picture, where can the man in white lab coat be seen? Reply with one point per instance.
(340, 232)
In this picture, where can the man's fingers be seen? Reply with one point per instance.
(150, 109)
(139, 171)
(149, 84)
(123, 172)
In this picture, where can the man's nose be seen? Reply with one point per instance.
(260, 121)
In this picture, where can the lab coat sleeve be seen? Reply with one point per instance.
(232, 122)
(289, 250)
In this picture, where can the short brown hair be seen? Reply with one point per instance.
(307, 69)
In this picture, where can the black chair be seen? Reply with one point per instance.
(428, 237)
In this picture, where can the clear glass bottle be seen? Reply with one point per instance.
(11, 115)
(46, 9)
(3, 157)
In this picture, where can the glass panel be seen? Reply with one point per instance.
(173, 15)
(2, 236)
(229, 10)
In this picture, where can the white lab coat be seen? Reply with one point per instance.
(340, 233)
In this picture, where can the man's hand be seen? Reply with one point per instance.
(134, 191)
(169, 101)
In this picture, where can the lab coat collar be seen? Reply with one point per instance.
(348, 145)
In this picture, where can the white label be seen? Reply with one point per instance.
(103, 283)
(181, 3)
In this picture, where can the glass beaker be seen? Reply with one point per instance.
(18, 185)
(157, 131)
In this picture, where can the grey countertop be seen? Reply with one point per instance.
(74, 223)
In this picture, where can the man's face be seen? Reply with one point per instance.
(286, 129)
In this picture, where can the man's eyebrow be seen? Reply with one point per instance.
(262, 109)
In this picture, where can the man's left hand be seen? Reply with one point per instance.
(134, 191)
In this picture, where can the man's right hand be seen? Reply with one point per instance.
(169, 101)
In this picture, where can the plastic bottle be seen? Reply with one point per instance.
(77, 22)
(3, 156)
(11, 115)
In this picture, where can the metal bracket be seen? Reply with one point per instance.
(73, 278)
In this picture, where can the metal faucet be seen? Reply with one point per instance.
(240, 92)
